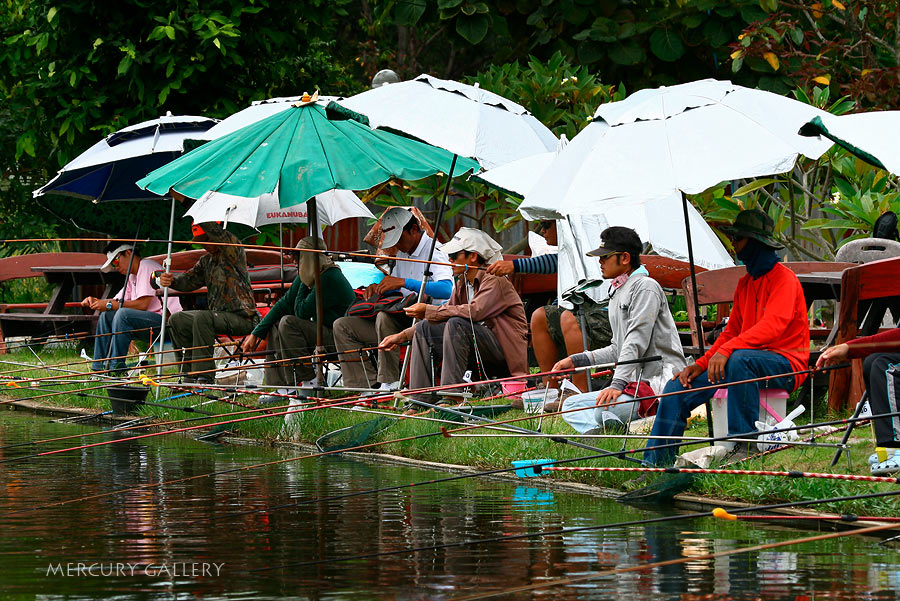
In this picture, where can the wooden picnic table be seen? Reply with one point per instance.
(53, 318)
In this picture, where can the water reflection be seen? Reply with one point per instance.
(189, 523)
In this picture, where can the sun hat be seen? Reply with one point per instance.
(754, 223)
(392, 223)
(111, 256)
(471, 240)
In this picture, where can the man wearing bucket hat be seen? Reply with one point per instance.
(642, 326)
(767, 334)
(231, 307)
(290, 324)
(483, 324)
(135, 308)
(403, 232)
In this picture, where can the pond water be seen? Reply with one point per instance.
(181, 541)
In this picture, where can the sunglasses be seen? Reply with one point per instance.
(545, 225)
(608, 255)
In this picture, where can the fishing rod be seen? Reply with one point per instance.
(332, 253)
(288, 460)
(844, 517)
(697, 470)
(575, 529)
(187, 409)
(622, 453)
(687, 439)
(534, 464)
(669, 562)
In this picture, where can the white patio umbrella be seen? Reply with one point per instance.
(333, 206)
(870, 136)
(658, 221)
(685, 138)
(664, 142)
(466, 120)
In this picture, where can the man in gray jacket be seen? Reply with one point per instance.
(642, 326)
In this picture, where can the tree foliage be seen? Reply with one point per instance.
(853, 48)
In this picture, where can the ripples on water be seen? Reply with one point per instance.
(165, 531)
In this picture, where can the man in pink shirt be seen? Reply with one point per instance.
(134, 312)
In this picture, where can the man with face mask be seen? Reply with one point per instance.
(767, 334)
(290, 324)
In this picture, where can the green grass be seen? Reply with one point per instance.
(422, 440)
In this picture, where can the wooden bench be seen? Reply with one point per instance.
(717, 287)
(36, 318)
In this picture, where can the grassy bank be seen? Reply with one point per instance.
(482, 449)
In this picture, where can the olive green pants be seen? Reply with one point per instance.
(198, 329)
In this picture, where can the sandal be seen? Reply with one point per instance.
(891, 465)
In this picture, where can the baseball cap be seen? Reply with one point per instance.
(111, 256)
(392, 223)
(471, 240)
(617, 239)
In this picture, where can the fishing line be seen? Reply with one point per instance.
(564, 531)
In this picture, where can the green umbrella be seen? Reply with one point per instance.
(303, 153)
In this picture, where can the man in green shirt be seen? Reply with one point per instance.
(291, 323)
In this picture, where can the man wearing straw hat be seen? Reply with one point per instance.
(483, 324)
(403, 232)
(767, 334)
(232, 309)
(134, 308)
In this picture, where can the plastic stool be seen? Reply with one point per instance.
(772, 408)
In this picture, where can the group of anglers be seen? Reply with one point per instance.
(474, 317)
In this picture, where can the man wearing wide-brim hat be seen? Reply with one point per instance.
(767, 334)
(483, 325)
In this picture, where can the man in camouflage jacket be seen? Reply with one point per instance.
(232, 309)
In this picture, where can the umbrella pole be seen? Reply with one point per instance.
(312, 219)
(427, 272)
(165, 299)
(700, 343)
(281, 257)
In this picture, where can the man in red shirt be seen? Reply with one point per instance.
(767, 334)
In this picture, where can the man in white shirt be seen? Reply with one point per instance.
(401, 230)
(134, 312)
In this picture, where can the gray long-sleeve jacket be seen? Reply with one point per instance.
(642, 326)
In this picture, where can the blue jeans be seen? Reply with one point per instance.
(591, 416)
(121, 323)
(743, 399)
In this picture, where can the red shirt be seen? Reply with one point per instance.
(769, 314)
